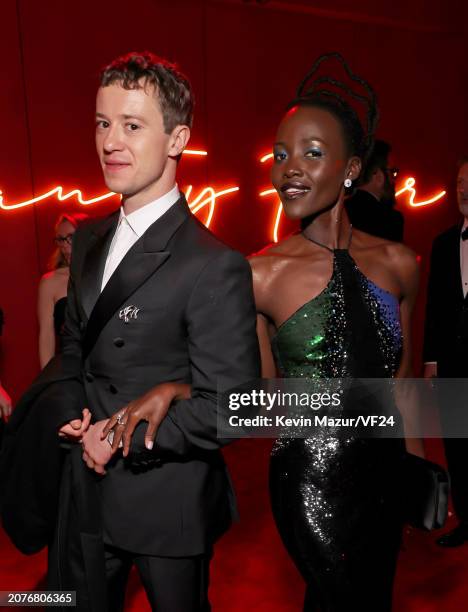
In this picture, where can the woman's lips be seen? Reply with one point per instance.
(292, 192)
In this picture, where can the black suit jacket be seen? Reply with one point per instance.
(369, 215)
(446, 326)
(196, 324)
(36, 469)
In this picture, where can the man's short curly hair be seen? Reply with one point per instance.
(174, 93)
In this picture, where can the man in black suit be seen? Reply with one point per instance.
(446, 341)
(371, 207)
(153, 297)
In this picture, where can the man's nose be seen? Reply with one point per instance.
(112, 140)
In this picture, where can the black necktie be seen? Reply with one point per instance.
(464, 234)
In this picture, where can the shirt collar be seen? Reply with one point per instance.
(465, 223)
(141, 219)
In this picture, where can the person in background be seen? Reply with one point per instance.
(446, 341)
(52, 294)
(371, 207)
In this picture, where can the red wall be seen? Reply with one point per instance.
(244, 60)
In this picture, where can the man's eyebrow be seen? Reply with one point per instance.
(138, 117)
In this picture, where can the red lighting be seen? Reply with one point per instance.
(210, 200)
(208, 196)
(194, 152)
(409, 187)
(60, 197)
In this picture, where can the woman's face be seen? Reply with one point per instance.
(63, 238)
(310, 162)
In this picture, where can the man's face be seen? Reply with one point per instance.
(131, 142)
(462, 190)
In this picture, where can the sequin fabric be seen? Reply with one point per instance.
(333, 497)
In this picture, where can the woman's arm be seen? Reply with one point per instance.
(264, 341)
(45, 315)
(152, 407)
(408, 272)
(98, 446)
(260, 276)
(407, 396)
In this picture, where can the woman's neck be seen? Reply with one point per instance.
(330, 227)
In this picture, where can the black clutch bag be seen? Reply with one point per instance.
(426, 493)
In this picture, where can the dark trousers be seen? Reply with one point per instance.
(452, 397)
(456, 453)
(172, 584)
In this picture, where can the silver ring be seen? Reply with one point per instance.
(120, 417)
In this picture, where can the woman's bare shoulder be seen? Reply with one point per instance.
(397, 257)
(272, 258)
(405, 262)
(54, 282)
(49, 278)
(55, 276)
(399, 254)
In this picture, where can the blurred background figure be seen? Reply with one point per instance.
(446, 341)
(52, 295)
(5, 399)
(371, 207)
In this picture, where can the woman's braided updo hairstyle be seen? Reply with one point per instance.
(337, 97)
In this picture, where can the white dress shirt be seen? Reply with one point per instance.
(131, 227)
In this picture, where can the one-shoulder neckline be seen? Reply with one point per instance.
(327, 286)
(298, 310)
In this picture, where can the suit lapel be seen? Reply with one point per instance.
(141, 262)
(456, 267)
(95, 260)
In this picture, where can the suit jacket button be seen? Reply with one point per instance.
(89, 377)
(119, 342)
(82, 325)
(113, 389)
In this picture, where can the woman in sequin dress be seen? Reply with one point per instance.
(333, 302)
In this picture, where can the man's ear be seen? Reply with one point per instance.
(178, 140)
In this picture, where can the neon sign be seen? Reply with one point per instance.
(208, 197)
(60, 197)
(408, 187)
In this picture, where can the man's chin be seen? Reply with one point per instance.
(117, 186)
(463, 207)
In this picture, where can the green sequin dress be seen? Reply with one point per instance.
(335, 499)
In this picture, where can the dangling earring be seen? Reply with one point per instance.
(348, 182)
